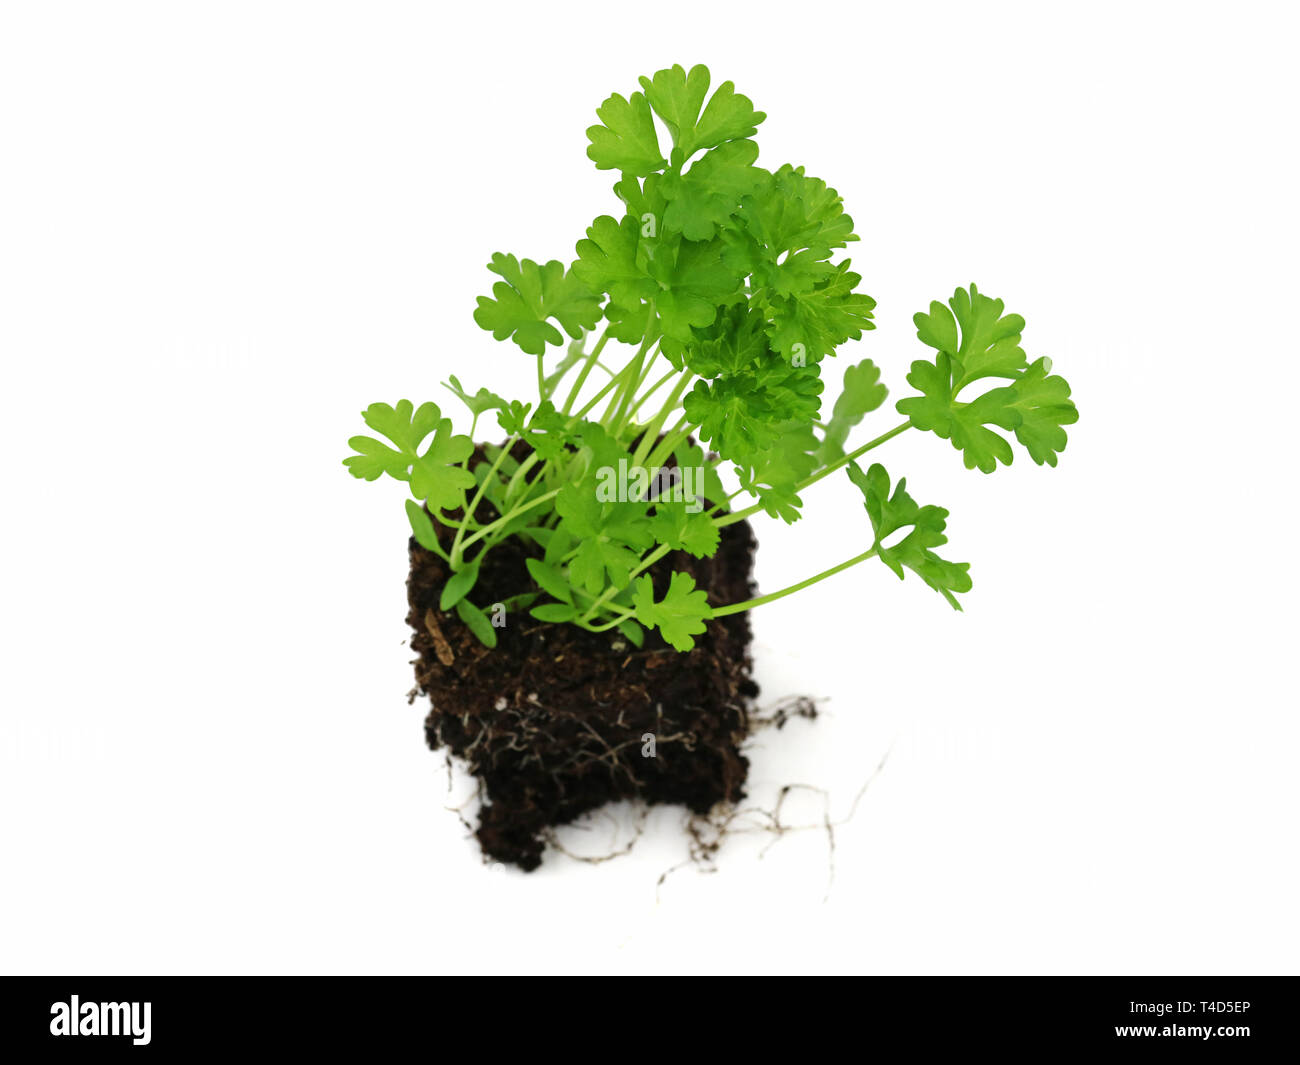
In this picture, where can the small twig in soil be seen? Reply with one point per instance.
(440, 645)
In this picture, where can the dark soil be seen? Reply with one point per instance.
(552, 721)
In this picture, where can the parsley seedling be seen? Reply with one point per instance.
(719, 283)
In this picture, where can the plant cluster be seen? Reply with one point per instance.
(719, 283)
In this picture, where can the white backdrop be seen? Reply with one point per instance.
(226, 228)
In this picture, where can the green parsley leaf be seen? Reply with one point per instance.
(732, 345)
(554, 612)
(694, 282)
(458, 585)
(743, 414)
(548, 431)
(965, 424)
(477, 622)
(1045, 406)
(862, 394)
(674, 525)
(529, 296)
(634, 632)
(679, 616)
(889, 514)
(432, 475)
(422, 526)
(774, 475)
(676, 98)
(606, 533)
(434, 478)
(625, 140)
(975, 340)
(549, 579)
(602, 561)
(789, 225)
(989, 344)
(607, 261)
(708, 194)
(513, 417)
(814, 323)
(479, 403)
(404, 426)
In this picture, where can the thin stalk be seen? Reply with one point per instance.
(612, 608)
(651, 435)
(456, 544)
(609, 385)
(650, 365)
(508, 517)
(653, 389)
(592, 360)
(633, 371)
(674, 436)
(749, 604)
(473, 428)
(524, 467)
(612, 624)
(627, 385)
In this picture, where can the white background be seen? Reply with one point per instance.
(226, 228)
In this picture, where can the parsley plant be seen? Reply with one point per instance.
(717, 284)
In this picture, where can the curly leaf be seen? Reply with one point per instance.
(708, 194)
(816, 322)
(890, 514)
(682, 530)
(676, 97)
(679, 616)
(989, 342)
(431, 475)
(479, 403)
(625, 140)
(530, 295)
(862, 394)
(1045, 406)
(434, 478)
(404, 426)
(976, 340)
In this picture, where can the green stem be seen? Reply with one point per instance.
(652, 390)
(619, 379)
(508, 517)
(627, 386)
(618, 406)
(592, 360)
(473, 429)
(456, 545)
(651, 435)
(609, 385)
(611, 624)
(668, 445)
(749, 604)
(613, 608)
(524, 467)
(649, 365)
